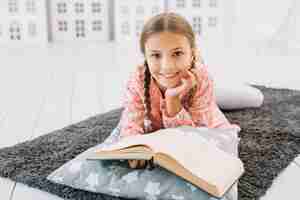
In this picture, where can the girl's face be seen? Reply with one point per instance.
(168, 56)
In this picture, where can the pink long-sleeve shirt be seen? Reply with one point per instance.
(203, 110)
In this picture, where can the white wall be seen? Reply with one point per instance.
(257, 19)
(240, 63)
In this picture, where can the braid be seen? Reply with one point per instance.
(147, 104)
(192, 91)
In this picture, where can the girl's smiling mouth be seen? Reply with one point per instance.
(169, 76)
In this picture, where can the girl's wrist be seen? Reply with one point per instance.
(173, 105)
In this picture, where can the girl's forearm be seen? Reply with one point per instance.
(173, 105)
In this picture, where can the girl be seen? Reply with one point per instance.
(172, 87)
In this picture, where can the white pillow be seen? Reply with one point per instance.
(115, 178)
(233, 95)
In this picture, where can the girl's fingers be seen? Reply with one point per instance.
(193, 78)
(133, 163)
(185, 74)
(142, 164)
(188, 79)
(137, 164)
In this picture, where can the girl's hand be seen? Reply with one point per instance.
(188, 79)
(137, 164)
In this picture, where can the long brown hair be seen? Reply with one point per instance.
(165, 22)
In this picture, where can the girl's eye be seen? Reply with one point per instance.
(178, 53)
(155, 55)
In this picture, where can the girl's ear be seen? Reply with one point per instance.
(196, 52)
(194, 56)
(197, 55)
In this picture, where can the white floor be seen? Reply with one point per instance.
(44, 89)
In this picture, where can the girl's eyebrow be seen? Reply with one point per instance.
(177, 48)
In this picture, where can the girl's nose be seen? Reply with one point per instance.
(167, 66)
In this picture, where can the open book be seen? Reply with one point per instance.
(184, 153)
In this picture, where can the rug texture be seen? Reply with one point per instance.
(267, 146)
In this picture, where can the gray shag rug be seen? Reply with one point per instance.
(267, 147)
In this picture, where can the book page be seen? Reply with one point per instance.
(154, 140)
(120, 156)
(127, 142)
(133, 147)
(203, 159)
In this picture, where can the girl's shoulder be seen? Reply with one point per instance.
(138, 74)
(136, 78)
